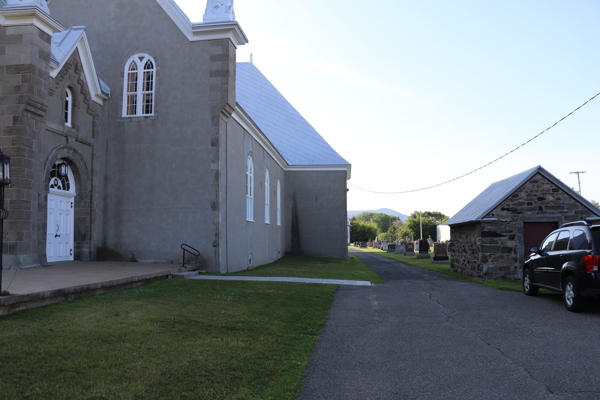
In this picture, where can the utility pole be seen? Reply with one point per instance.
(578, 180)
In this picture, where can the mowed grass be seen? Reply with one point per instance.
(509, 285)
(318, 268)
(173, 339)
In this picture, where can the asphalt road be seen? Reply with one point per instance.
(423, 335)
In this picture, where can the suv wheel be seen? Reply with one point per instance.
(572, 298)
(528, 287)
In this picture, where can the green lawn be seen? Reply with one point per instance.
(319, 268)
(513, 286)
(173, 339)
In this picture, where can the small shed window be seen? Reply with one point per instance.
(267, 198)
(250, 190)
(68, 107)
(139, 86)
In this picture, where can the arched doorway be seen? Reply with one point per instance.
(61, 207)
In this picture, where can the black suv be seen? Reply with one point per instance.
(568, 262)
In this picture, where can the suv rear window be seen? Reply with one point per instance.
(580, 241)
(596, 236)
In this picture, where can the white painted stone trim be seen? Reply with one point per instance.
(199, 32)
(89, 70)
(22, 16)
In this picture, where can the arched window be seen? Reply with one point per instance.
(250, 190)
(278, 202)
(267, 198)
(68, 107)
(140, 79)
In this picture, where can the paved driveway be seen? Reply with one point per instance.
(424, 335)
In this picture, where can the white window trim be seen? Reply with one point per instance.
(267, 198)
(278, 202)
(69, 108)
(250, 190)
(140, 83)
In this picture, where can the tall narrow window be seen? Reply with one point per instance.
(278, 202)
(250, 190)
(68, 108)
(140, 86)
(267, 198)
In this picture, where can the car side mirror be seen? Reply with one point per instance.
(534, 250)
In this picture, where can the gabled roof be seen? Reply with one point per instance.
(494, 195)
(63, 45)
(204, 31)
(294, 138)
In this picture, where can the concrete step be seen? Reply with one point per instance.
(185, 275)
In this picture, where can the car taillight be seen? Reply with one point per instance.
(591, 263)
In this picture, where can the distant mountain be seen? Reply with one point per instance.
(381, 211)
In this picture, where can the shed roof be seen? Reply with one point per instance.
(499, 191)
(295, 139)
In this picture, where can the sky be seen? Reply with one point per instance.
(415, 93)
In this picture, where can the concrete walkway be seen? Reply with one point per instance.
(33, 287)
(277, 279)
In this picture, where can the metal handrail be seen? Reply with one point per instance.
(189, 249)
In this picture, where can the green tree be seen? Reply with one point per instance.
(594, 202)
(362, 231)
(398, 230)
(383, 222)
(430, 220)
(365, 216)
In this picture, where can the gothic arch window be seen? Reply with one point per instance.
(278, 203)
(250, 190)
(68, 107)
(267, 198)
(139, 86)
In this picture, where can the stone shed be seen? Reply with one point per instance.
(492, 234)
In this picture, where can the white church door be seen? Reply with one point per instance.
(61, 207)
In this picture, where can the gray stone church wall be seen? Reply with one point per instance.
(163, 173)
(316, 213)
(250, 244)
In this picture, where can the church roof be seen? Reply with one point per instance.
(499, 191)
(295, 139)
(63, 45)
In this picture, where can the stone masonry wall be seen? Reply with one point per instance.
(466, 244)
(501, 243)
(24, 81)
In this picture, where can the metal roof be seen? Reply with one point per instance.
(295, 139)
(499, 191)
(63, 43)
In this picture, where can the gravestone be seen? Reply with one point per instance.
(416, 242)
(441, 254)
(423, 249)
(384, 245)
(391, 248)
(363, 244)
(400, 248)
(410, 249)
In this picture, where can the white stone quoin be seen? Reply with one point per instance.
(219, 11)
(41, 4)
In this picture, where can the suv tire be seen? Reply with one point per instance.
(573, 300)
(528, 287)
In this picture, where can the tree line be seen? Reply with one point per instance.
(368, 226)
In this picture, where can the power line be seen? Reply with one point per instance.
(488, 164)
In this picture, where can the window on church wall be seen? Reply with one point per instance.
(278, 203)
(267, 198)
(68, 108)
(250, 190)
(58, 181)
(140, 86)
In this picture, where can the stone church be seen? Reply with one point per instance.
(133, 131)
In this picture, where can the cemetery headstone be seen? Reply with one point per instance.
(441, 254)
(423, 249)
(410, 249)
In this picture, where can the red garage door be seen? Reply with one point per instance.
(535, 233)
